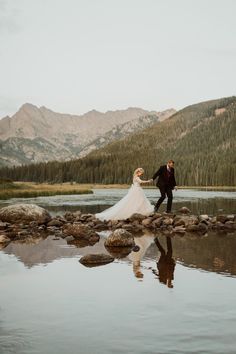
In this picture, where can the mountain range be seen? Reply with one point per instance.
(35, 134)
(201, 138)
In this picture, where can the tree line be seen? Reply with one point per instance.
(201, 142)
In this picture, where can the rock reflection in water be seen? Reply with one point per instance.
(212, 252)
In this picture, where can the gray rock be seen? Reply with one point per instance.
(55, 222)
(24, 213)
(77, 213)
(219, 226)
(185, 220)
(179, 229)
(184, 210)
(222, 218)
(4, 241)
(213, 220)
(231, 217)
(4, 225)
(167, 221)
(120, 238)
(137, 216)
(147, 221)
(79, 231)
(156, 216)
(230, 225)
(128, 227)
(93, 260)
(206, 222)
(202, 227)
(203, 217)
(69, 238)
(156, 223)
(192, 228)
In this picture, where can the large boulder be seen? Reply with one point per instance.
(120, 238)
(24, 213)
(93, 260)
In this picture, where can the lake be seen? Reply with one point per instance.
(199, 201)
(175, 295)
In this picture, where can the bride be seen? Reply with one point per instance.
(134, 201)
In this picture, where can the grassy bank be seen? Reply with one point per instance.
(31, 190)
(10, 189)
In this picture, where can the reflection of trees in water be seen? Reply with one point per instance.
(215, 252)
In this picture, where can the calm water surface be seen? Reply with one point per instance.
(176, 295)
(206, 202)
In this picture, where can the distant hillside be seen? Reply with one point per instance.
(38, 134)
(201, 138)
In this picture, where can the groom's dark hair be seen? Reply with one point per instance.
(171, 161)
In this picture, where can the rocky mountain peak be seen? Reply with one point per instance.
(64, 136)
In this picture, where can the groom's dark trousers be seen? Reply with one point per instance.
(166, 183)
(165, 191)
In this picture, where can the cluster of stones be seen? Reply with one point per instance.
(27, 221)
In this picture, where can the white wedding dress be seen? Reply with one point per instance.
(134, 201)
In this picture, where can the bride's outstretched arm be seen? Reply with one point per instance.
(144, 182)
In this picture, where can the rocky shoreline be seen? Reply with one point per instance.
(24, 222)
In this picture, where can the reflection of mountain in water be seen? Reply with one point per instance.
(215, 252)
(48, 250)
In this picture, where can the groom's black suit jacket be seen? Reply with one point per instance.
(165, 178)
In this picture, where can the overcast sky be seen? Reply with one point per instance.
(77, 55)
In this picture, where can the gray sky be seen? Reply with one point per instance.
(76, 55)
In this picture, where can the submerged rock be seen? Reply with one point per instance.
(24, 213)
(93, 260)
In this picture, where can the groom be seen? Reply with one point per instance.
(166, 183)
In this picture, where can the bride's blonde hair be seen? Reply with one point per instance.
(139, 169)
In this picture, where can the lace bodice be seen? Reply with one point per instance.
(137, 181)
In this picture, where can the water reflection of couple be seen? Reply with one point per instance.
(165, 263)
